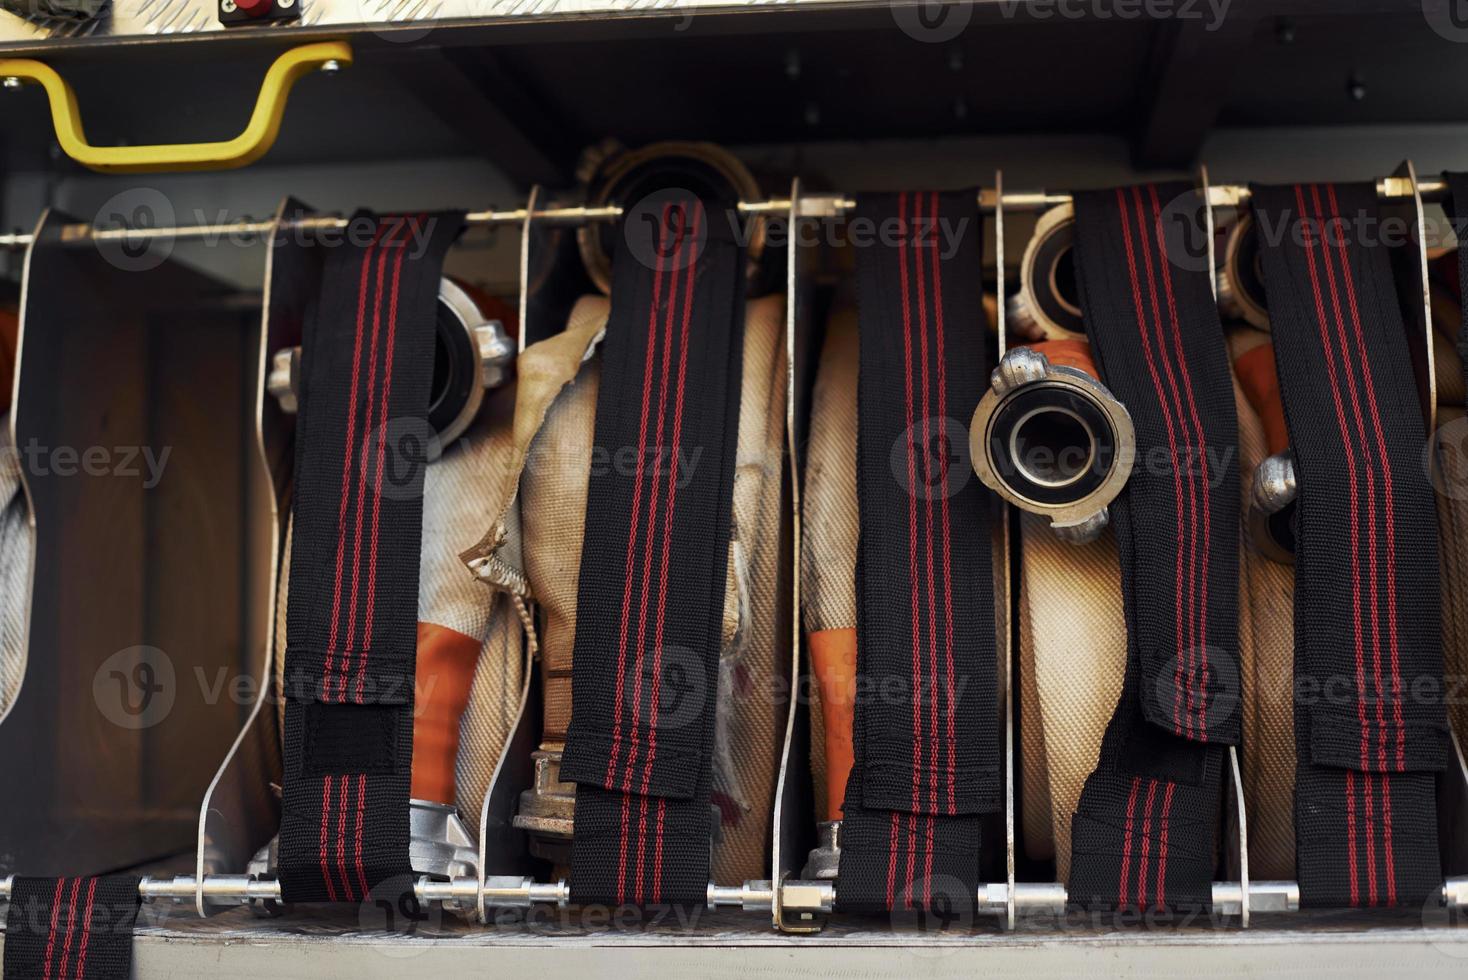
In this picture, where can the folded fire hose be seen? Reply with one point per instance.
(554, 501)
(651, 493)
(642, 516)
(646, 658)
(1367, 606)
(15, 531)
(830, 526)
(898, 573)
(1155, 793)
(1390, 853)
(352, 620)
(468, 645)
(1266, 621)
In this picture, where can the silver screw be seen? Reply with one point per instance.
(228, 6)
(12, 83)
(285, 4)
(331, 67)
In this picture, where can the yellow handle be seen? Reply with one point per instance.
(243, 150)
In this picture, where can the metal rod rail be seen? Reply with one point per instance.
(460, 892)
(817, 897)
(809, 206)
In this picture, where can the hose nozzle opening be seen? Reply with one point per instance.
(1051, 439)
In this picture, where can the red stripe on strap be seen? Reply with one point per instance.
(357, 832)
(669, 508)
(928, 865)
(1386, 835)
(641, 846)
(663, 231)
(1323, 325)
(1162, 848)
(55, 919)
(1131, 261)
(1386, 478)
(657, 862)
(1205, 550)
(915, 243)
(1371, 518)
(387, 378)
(652, 323)
(81, 953)
(325, 818)
(361, 488)
(622, 849)
(912, 858)
(1146, 844)
(1370, 837)
(948, 687)
(1186, 653)
(361, 497)
(671, 505)
(1351, 837)
(1340, 412)
(1126, 848)
(892, 862)
(679, 241)
(351, 427)
(343, 789)
(905, 230)
(76, 884)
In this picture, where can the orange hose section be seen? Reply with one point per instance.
(833, 657)
(1069, 353)
(446, 662)
(1257, 377)
(9, 332)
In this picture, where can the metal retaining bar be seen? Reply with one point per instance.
(817, 897)
(812, 206)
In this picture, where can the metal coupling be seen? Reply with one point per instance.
(472, 354)
(547, 811)
(1240, 278)
(1048, 306)
(439, 845)
(1271, 507)
(1051, 439)
(824, 860)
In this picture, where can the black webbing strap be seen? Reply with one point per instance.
(71, 928)
(1144, 834)
(352, 619)
(926, 759)
(654, 558)
(1456, 205)
(1369, 722)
